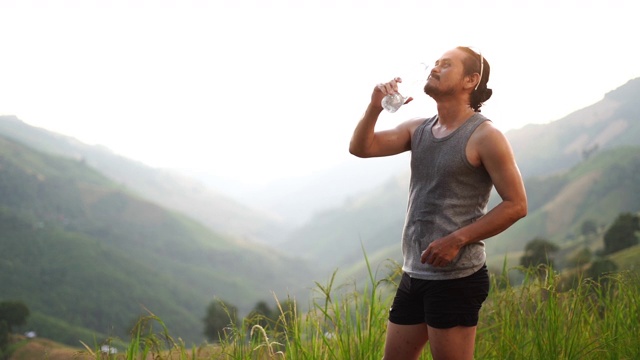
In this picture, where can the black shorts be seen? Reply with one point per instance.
(441, 304)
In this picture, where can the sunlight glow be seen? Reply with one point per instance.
(261, 90)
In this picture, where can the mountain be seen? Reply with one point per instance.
(581, 167)
(334, 237)
(597, 189)
(85, 252)
(297, 199)
(164, 187)
(553, 147)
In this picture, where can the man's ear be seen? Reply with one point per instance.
(472, 81)
(475, 78)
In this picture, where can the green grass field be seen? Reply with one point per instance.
(545, 317)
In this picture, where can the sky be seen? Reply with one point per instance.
(256, 91)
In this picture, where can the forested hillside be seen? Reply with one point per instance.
(614, 121)
(85, 253)
(597, 189)
(335, 238)
(166, 188)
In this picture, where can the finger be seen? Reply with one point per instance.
(394, 83)
(433, 259)
(382, 87)
(438, 261)
(424, 256)
(391, 87)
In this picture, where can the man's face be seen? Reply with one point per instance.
(447, 75)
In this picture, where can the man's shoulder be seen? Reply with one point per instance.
(414, 123)
(486, 127)
(489, 138)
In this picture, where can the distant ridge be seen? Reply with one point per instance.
(543, 149)
(167, 188)
(623, 93)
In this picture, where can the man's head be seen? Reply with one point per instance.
(460, 71)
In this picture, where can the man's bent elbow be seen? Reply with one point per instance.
(359, 152)
(520, 210)
(515, 211)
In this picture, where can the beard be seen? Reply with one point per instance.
(435, 92)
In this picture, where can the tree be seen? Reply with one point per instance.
(220, 315)
(581, 257)
(622, 233)
(601, 267)
(538, 251)
(4, 336)
(13, 313)
(589, 227)
(262, 314)
(285, 315)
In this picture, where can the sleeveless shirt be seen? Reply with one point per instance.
(446, 193)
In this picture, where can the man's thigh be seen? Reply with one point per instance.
(456, 343)
(405, 342)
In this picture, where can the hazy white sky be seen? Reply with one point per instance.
(256, 90)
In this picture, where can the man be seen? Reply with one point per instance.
(457, 156)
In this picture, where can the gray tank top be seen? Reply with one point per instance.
(446, 193)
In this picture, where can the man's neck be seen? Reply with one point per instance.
(452, 114)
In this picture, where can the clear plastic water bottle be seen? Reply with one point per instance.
(417, 78)
(393, 102)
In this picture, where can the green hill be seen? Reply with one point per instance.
(85, 253)
(628, 259)
(597, 189)
(544, 149)
(166, 188)
(41, 348)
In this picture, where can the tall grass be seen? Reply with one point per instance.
(541, 318)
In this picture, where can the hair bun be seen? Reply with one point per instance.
(487, 94)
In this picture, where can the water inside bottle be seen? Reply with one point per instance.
(393, 102)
